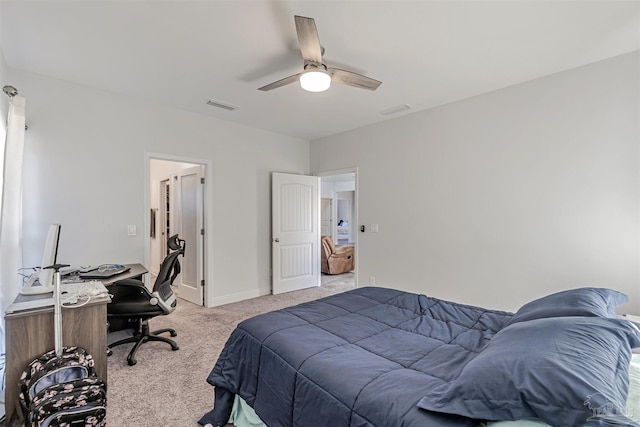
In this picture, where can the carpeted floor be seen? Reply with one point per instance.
(169, 388)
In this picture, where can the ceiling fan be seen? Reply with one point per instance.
(316, 76)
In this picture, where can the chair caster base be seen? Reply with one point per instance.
(144, 336)
(171, 331)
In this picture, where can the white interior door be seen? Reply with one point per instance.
(164, 223)
(325, 217)
(189, 223)
(296, 232)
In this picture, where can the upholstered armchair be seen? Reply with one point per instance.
(336, 260)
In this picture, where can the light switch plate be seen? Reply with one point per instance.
(131, 230)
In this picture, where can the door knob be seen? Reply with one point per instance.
(276, 240)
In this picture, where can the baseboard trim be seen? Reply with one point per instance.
(239, 296)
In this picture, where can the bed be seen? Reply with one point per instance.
(383, 357)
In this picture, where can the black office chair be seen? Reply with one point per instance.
(131, 300)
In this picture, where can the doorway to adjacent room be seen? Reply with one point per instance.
(339, 218)
(176, 196)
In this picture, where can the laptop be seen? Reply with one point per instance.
(105, 272)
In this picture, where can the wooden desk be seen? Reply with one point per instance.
(136, 272)
(30, 333)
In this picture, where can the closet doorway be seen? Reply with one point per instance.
(176, 205)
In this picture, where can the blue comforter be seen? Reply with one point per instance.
(362, 358)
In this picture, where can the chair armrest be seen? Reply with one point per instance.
(167, 305)
(126, 287)
(345, 250)
(346, 255)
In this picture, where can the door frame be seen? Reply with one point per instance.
(356, 235)
(208, 217)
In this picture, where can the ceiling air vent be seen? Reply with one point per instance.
(395, 110)
(228, 107)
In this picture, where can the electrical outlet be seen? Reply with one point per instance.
(372, 280)
(131, 230)
(374, 228)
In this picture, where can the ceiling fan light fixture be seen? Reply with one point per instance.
(315, 80)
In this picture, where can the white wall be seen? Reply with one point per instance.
(4, 102)
(340, 186)
(326, 189)
(507, 196)
(84, 168)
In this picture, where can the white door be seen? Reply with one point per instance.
(165, 218)
(325, 217)
(296, 232)
(189, 224)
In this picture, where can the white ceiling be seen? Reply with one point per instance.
(427, 53)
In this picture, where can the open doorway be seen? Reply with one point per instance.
(339, 222)
(176, 206)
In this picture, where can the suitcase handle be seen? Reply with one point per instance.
(57, 307)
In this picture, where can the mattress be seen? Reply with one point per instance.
(243, 415)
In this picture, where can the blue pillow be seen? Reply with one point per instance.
(566, 371)
(588, 302)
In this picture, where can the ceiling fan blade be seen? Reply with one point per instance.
(280, 83)
(308, 39)
(353, 79)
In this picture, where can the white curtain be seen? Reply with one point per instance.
(11, 209)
